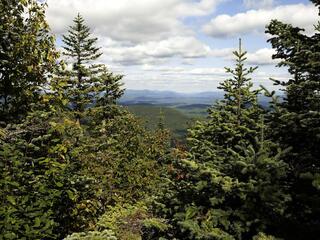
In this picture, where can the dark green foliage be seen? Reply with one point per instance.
(125, 156)
(316, 2)
(41, 185)
(173, 119)
(110, 86)
(74, 163)
(93, 235)
(80, 47)
(88, 84)
(108, 89)
(161, 117)
(27, 56)
(50, 164)
(126, 222)
(295, 123)
(229, 185)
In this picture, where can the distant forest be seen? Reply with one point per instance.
(77, 165)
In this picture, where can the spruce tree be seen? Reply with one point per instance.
(295, 123)
(27, 56)
(161, 118)
(229, 185)
(80, 47)
(108, 90)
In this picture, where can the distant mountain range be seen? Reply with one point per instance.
(175, 99)
(169, 98)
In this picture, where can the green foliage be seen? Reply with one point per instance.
(27, 56)
(58, 179)
(262, 236)
(94, 235)
(80, 47)
(88, 84)
(34, 179)
(128, 222)
(229, 185)
(110, 86)
(171, 119)
(125, 156)
(160, 124)
(108, 89)
(57, 175)
(73, 163)
(295, 123)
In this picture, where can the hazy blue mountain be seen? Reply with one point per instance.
(169, 98)
(175, 99)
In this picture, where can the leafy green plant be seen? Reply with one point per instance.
(94, 235)
(28, 57)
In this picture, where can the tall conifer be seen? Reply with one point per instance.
(229, 187)
(295, 123)
(81, 49)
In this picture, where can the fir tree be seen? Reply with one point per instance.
(108, 90)
(229, 185)
(80, 47)
(295, 123)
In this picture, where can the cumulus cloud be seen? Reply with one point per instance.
(262, 57)
(258, 4)
(137, 32)
(157, 51)
(255, 20)
(127, 20)
(151, 43)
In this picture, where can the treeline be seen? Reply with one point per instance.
(75, 165)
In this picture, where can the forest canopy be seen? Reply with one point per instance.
(77, 165)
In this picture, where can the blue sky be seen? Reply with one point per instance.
(182, 45)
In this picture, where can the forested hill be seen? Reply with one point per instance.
(77, 165)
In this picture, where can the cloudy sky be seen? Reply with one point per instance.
(181, 45)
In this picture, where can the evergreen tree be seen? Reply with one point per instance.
(80, 47)
(161, 119)
(27, 56)
(295, 123)
(110, 86)
(108, 90)
(229, 185)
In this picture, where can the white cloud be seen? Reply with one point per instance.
(151, 43)
(255, 20)
(137, 32)
(186, 48)
(262, 57)
(127, 20)
(155, 51)
(258, 3)
(188, 79)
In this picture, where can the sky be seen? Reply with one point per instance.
(182, 45)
